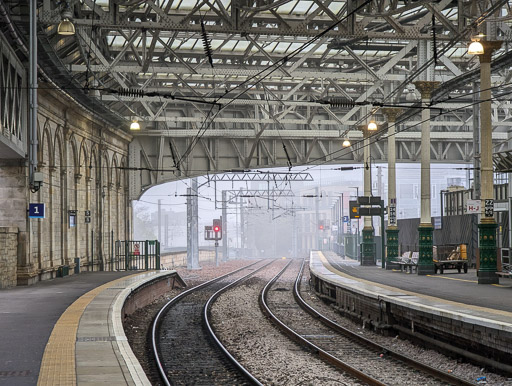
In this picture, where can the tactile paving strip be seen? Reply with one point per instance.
(58, 364)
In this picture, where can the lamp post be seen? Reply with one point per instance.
(487, 226)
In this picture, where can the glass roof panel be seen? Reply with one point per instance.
(335, 7)
(285, 9)
(302, 7)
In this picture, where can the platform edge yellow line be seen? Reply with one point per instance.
(58, 363)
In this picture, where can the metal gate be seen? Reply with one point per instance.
(137, 255)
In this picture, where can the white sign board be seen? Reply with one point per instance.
(473, 206)
(489, 208)
(392, 214)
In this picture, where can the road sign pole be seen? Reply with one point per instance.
(216, 253)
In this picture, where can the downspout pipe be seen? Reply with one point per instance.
(33, 93)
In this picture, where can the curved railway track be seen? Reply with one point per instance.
(363, 359)
(184, 346)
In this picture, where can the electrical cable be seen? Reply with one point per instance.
(271, 69)
(376, 135)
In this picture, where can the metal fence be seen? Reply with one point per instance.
(137, 255)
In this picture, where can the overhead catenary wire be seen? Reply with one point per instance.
(270, 69)
(468, 29)
(376, 136)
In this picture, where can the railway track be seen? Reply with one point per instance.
(185, 348)
(363, 359)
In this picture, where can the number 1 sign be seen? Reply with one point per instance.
(36, 210)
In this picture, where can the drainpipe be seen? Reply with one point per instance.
(33, 92)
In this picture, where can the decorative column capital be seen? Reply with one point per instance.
(364, 130)
(391, 113)
(425, 87)
(78, 177)
(489, 48)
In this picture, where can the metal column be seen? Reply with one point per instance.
(392, 231)
(425, 260)
(195, 230)
(224, 227)
(242, 227)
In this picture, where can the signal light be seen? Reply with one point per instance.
(321, 225)
(217, 229)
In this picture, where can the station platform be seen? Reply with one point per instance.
(64, 331)
(450, 287)
(450, 311)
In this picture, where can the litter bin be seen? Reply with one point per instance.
(63, 271)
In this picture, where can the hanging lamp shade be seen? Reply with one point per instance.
(346, 143)
(372, 126)
(476, 48)
(135, 125)
(66, 27)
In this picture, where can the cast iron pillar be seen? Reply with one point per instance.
(488, 264)
(392, 231)
(368, 247)
(425, 262)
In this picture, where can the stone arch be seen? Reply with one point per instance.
(40, 128)
(83, 197)
(115, 207)
(123, 178)
(45, 162)
(95, 197)
(83, 157)
(58, 140)
(73, 154)
(71, 199)
(106, 195)
(58, 199)
(114, 171)
(45, 154)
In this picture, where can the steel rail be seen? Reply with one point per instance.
(158, 319)
(364, 341)
(315, 349)
(206, 312)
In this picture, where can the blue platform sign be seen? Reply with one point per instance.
(36, 210)
(346, 219)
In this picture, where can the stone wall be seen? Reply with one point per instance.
(476, 339)
(179, 259)
(8, 256)
(82, 160)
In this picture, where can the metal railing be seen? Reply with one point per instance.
(137, 255)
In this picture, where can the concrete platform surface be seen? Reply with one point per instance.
(28, 316)
(451, 292)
